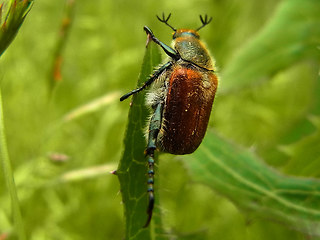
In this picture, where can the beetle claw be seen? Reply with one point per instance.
(149, 210)
(148, 30)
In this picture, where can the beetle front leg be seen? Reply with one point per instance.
(168, 50)
(154, 128)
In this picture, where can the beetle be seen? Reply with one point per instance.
(181, 97)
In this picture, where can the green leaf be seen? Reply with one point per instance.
(305, 153)
(292, 34)
(239, 175)
(132, 170)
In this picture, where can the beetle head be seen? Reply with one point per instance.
(185, 33)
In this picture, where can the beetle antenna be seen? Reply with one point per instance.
(205, 21)
(165, 20)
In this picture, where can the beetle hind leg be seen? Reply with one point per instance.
(154, 128)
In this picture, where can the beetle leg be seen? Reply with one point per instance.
(153, 77)
(168, 50)
(154, 127)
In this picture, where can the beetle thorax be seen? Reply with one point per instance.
(187, 43)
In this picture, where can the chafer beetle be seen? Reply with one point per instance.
(181, 97)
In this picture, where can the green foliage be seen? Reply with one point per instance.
(10, 23)
(239, 175)
(290, 36)
(238, 185)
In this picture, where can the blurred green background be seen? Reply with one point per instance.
(61, 164)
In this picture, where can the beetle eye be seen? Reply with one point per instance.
(174, 36)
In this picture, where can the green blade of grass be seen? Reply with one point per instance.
(239, 175)
(132, 170)
(14, 17)
(92, 106)
(9, 178)
(67, 20)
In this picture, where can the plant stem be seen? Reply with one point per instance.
(8, 175)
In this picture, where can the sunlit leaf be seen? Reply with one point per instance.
(133, 166)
